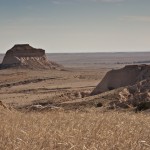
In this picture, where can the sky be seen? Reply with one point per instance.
(60, 26)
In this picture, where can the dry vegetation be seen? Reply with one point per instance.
(64, 130)
(89, 129)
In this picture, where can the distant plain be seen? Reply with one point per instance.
(97, 60)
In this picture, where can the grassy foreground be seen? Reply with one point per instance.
(72, 130)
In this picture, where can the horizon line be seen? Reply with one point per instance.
(93, 52)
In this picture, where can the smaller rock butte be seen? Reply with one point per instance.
(25, 56)
(129, 75)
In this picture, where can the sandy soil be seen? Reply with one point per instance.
(20, 87)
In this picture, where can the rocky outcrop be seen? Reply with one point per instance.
(137, 95)
(126, 76)
(25, 56)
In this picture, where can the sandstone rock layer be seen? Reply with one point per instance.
(129, 75)
(25, 56)
(135, 94)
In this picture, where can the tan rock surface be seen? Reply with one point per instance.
(137, 93)
(24, 55)
(128, 75)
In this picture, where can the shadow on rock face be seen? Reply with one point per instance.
(142, 106)
(99, 105)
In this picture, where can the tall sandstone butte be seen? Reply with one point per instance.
(129, 75)
(25, 56)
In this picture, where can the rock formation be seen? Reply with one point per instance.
(25, 56)
(126, 76)
(137, 95)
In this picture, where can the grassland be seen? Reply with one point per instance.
(90, 129)
(74, 130)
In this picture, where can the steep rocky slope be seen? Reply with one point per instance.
(128, 75)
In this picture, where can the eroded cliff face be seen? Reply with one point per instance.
(126, 76)
(23, 55)
(136, 96)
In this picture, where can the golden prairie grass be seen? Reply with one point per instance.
(74, 130)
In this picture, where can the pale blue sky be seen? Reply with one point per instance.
(76, 25)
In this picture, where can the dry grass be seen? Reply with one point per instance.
(74, 130)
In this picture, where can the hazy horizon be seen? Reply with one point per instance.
(90, 52)
(76, 26)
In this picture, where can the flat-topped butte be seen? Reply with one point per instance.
(25, 56)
